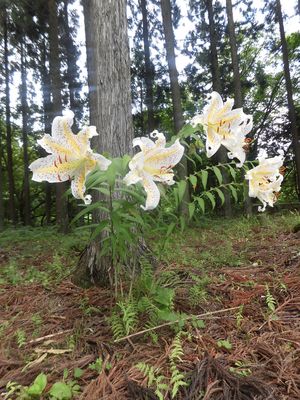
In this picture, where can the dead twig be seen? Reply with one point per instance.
(174, 322)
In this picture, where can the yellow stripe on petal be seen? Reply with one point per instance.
(78, 187)
(54, 169)
(153, 194)
(51, 146)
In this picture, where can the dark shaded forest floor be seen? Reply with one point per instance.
(250, 352)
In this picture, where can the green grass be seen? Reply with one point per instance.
(41, 255)
(219, 242)
(38, 255)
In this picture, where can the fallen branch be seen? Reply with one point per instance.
(175, 322)
(40, 339)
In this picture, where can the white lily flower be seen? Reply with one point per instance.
(71, 157)
(224, 126)
(152, 164)
(265, 180)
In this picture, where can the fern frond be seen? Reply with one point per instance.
(176, 348)
(153, 379)
(177, 378)
(124, 319)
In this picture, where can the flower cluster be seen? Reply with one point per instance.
(224, 126)
(154, 163)
(71, 158)
(265, 180)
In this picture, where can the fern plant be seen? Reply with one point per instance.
(124, 318)
(177, 378)
(154, 379)
(270, 300)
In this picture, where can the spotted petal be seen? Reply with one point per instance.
(62, 133)
(153, 194)
(158, 160)
(213, 142)
(53, 169)
(78, 187)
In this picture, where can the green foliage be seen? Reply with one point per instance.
(197, 292)
(97, 366)
(239, 317)
(177, 378)
(154, 379)
(240, 369)
(20, 337)
(124, 318)
(37, 387)
(270, 300)
(225, 344)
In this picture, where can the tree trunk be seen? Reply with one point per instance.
(56, 89)
(175, 90)
(217, 86)
(71, 62)
(25, 112)
(47, 115)
(289, 90)
(149, 70)
(10, 173)
(110, 104)
(238, 96)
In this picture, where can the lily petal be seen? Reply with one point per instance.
(53, 169)
(143, 142)
(159, 160)
(53, 147)
(62, 133)
(102, 161)
(78, 187)
(131, 178)
(213, 142)
(153, 194)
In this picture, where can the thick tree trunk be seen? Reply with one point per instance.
(289, 90)
(110, 104)
(47, 114)
(149, 70)
(25, 113)
(56, 89)
(217, 86)
(71, 62)
(175, 89)
(10, 173)
(238, 96)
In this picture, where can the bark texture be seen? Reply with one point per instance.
(149, 70)
(11, 183)
(175, 88)
(110, 104)
(1, 186)
(25, 114)
(56, 89)
(238, 96)
(47, 124)
(289, 90)
(221, 155)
